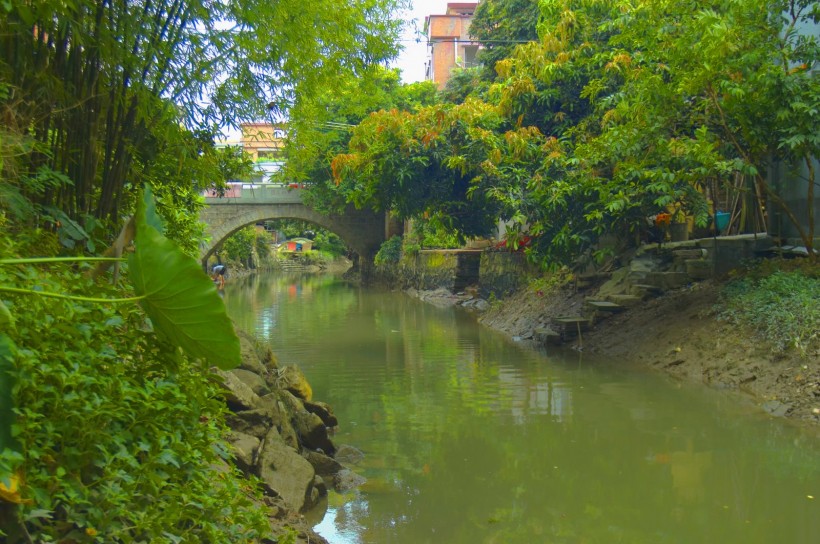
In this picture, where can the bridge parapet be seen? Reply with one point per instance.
(255, 194)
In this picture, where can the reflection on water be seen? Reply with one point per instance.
(470, 439)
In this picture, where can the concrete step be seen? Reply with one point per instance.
(568, 326)
(584, 281)
(547, 336)
(605, 306)
(645, 291)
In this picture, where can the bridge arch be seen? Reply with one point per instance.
(362, 230)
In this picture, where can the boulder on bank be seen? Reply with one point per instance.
(322, 410)
(324, 465)
(253, 380)
(346, 480)
(285, 473)
(312, 432)
(238, 395)
(291, 379)
(278, 433)
(246, 448)
(250, 356)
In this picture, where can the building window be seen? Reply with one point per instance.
(470, 52)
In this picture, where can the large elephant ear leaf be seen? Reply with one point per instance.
(150, 210)
(7, 351)
(180, 299)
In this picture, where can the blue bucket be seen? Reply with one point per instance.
(721, 220)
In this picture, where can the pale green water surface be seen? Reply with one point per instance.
(471, 439)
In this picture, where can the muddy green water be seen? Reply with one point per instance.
(471, 439)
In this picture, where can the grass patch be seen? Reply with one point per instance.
(779, 300)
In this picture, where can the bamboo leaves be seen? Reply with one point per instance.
(181, 301)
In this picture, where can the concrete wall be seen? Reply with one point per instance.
(499, 273)
(790, 181)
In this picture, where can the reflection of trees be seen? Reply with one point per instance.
(256, 303)
(483, 442)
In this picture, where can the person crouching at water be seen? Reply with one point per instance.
(218, 275)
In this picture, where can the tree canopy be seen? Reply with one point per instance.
(619, 110)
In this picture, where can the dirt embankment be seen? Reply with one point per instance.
(679, 333)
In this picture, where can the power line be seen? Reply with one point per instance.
(471, 42)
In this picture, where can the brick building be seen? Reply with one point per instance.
(265, 145)
(448, 37)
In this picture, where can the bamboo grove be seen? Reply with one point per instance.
(98, 97)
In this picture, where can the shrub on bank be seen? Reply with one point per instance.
(780, 304)
(389, 252)
(119, 433)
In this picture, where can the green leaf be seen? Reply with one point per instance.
(6, 319)
(70, 230)
(151, 216)
(180, 299)
(7, 350)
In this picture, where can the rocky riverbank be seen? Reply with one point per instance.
(280, 435)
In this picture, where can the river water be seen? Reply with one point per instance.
(470, 438)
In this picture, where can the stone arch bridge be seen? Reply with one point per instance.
(362, 230)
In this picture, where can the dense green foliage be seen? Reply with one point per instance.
(431, 233)
(262, 244)
(321, 127)
(607, 118)
(780, 305)
(110, 431)
(324, 241)
(238, 247)
(329, 243)
(119, 432)
(111, 422)
(389, 252)
(500, 25)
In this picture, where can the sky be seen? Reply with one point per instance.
(411, 60)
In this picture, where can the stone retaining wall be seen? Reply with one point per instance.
(496, 274)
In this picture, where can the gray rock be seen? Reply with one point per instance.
(238, 396)
(288, 407)
(245, 448)
(292, 379)
(285, 473)
(348, 455)
(776, 408)
(481, 305)
(290, 403)
(312, 432)
(322, 410)
(346, 480)
(271, 405)
(320, 486)
(322, 464)
(252, 380)
(253, 422)
(250, 359)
